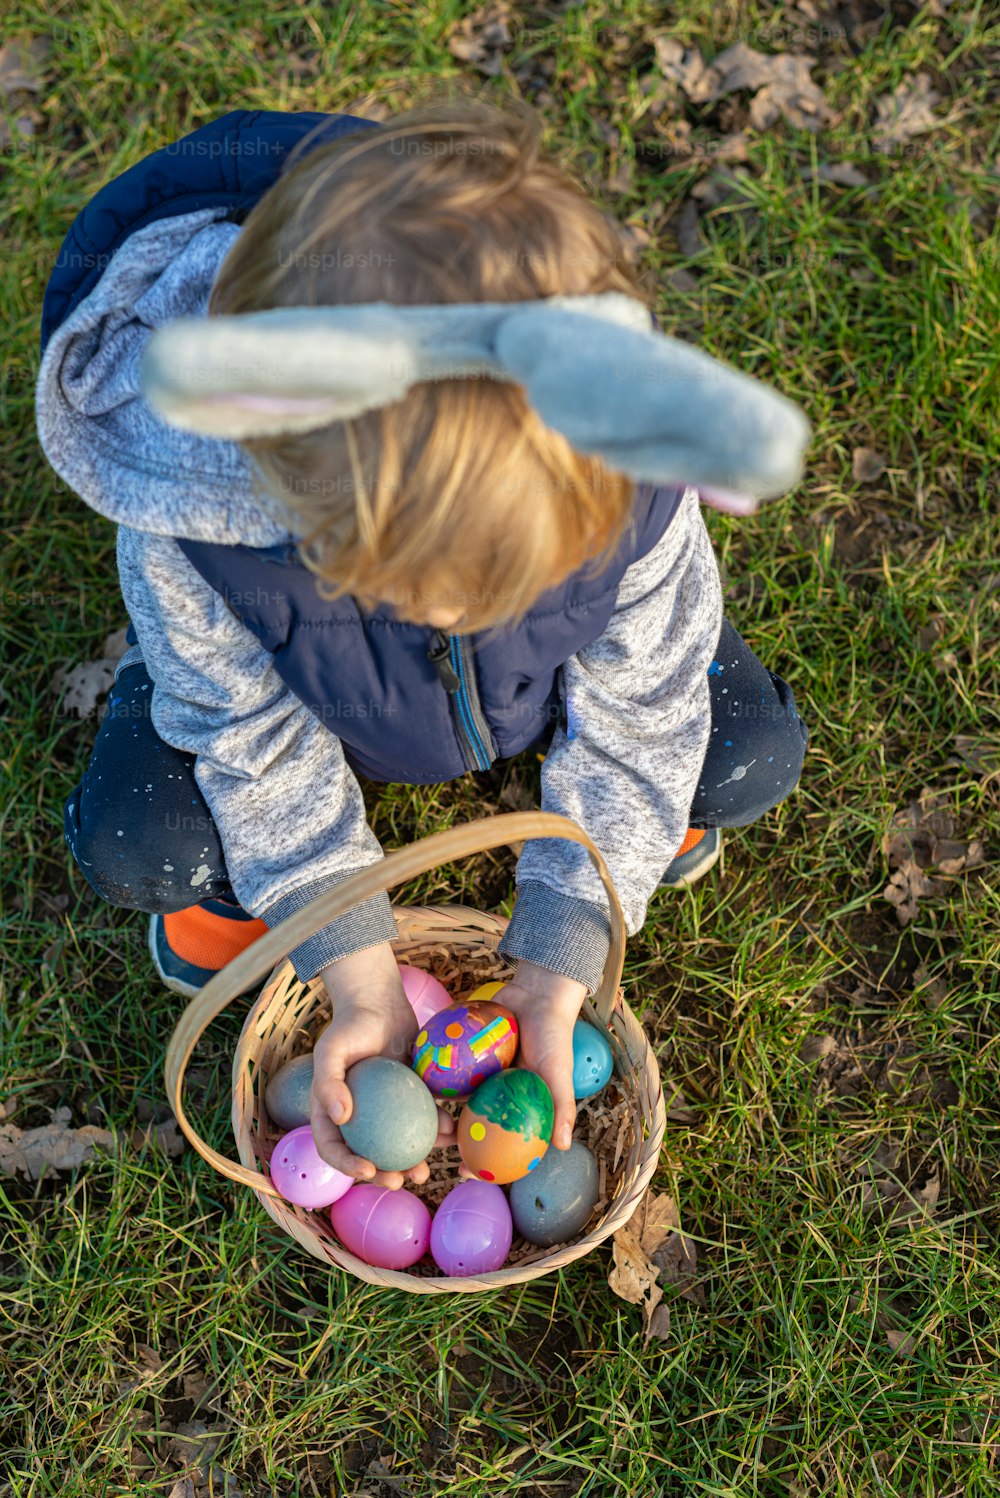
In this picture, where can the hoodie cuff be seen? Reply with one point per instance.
(365, 925)
(132, 657)
(564, 934)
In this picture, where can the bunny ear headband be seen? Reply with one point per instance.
(591, 366)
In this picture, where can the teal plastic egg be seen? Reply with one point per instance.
(552, 1204)
(395, 1120)
(593, 1061)
(286, 1096)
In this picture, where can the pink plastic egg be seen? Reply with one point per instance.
(472, 1229)
(426, 995)
(302, 1175)
(390, 1229)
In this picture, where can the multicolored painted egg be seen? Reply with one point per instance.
(506, 1126)
(472, 1230)
(463, 1045)
(390, 1229)
(286, 1096)
(555, 1201)
(593, 1060)
(426, 995)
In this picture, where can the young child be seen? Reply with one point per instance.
(402, 541)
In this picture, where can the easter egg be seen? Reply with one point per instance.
(395, 1119)
(484, 991)
(302, 1175)
(552, 1204)
(425, 993)
(472, 1229)
(286, 1096)
(390, 1229)
(506, 1126)
(593, 1060)
(463, 1045)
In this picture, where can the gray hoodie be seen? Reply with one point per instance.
(287, 806)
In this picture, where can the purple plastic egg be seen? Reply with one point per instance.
(472, 1229)
(426, 995)
(390, 1229)
(302, 1175)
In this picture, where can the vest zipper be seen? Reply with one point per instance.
(452, 661)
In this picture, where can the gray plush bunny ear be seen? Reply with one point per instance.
(286, 370)
(660, 409)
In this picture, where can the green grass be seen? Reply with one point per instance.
(876, 308)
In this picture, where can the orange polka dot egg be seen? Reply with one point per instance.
(463, 1045)
(506, 1126)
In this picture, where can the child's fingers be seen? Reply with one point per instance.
(418, 1174)
(446, 1130)
(393, 1179)
(331, 1148)
(557, 1073)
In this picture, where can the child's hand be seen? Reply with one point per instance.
(371, 1017)
(547, 1006)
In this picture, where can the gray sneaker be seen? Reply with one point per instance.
(698, 854)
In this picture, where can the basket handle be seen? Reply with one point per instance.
(395, 868)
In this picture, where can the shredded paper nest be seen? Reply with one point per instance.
(605, 1123)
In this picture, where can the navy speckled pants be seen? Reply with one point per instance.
(141, 831)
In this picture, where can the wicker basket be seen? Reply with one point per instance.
(282, 1023)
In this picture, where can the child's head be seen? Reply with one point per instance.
(456, 500)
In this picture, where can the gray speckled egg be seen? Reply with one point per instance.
(552, 1204)
(286, 1096)
(395, 1120)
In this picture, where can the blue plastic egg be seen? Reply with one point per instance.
(593, 1061)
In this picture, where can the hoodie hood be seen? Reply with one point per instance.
(95, 426)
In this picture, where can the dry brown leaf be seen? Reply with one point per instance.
(659, 1323)
(56, 1145)
(149, 1359)
(920, 838)
(867, 465)
(193, 1443)
(908, 885)
(906, 112)
(80, 687)
(165, 1135)
(981, 756)
(633, 1277)
(815, 1047)
(892, 1201)
(197, 1386)
(781, 82)
(482, 39)
(901, 1343)
(21, 62)
(642, 1249)
(842, 173)
(688, 233)
(654, 1220)
(685, 66)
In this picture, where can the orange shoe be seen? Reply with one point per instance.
(190, 946)
(698, 853)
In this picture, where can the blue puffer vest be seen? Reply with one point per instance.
(409, 704)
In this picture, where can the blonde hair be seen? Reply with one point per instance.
(457, 493)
